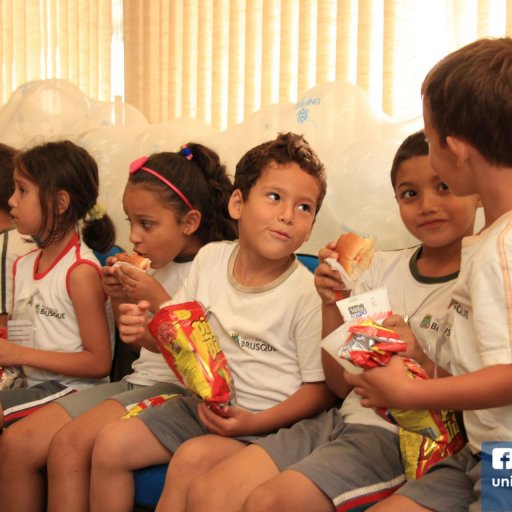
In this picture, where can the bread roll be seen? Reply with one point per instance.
(354, 253)
(136, 260)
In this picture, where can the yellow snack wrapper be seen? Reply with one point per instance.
(192, 351)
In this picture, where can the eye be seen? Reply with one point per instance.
(443, 187)
(408, 194)
(146, 224)
(273, 196)
(305, 207)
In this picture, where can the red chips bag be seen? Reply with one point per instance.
(426, 437)
(192, 350)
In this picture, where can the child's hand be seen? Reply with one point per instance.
(414, 350)
(132, 321)
(385, 386)
(111, 284)
(234, 422)
(140, 286)
(328, 282)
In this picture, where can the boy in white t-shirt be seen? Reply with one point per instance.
(467, 109)
(346, 457)
(262, 307)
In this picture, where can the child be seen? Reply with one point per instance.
(348, 456)
(467, 109)
(57, 288)
(264, 310)
(175, 203)
(12, 243)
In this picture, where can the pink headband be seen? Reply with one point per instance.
(138, 165)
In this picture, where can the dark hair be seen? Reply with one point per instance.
(415, 144)
(469, 96)
(7, 155)
(284, 149)
(63, 165)
(203, 181)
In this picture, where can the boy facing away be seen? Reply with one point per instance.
(467, 109)
(263, 308)
(346, 457)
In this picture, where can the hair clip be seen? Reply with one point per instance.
(185, 151)
(137, 164)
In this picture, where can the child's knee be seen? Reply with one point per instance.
(109, 447)
(188, 459)
(19, 447)
(262, 499)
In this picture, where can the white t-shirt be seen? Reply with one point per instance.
(481, 315)
(424, 299)
(270, 334)
(150, 367)
(12, 245)
(43, 299)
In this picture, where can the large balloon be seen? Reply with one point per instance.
(355, 142)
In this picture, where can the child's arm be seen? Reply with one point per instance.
(310, 399)
(390, 386)
(96, 357)
(329, 286)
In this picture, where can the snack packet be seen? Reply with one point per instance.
(154, 401)
(426, 436)
(192, 350)
(11, 377)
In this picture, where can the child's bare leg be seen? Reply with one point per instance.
(398, 503)
(1, 418)
(23, 453)
(120, 448)
(226, 486)
(191, 460)
(69, 460)
(289, 491)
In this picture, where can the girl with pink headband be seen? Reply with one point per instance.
(175, 203)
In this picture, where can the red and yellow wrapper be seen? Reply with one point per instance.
(192, 351)
(153, 401)
(426, 436)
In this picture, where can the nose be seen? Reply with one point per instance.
(429, 202)
(286, 214)
(134, 236)
(11, 201)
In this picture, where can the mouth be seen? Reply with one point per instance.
(280, 235)
(432, 224)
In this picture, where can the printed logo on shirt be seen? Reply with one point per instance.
(496, 476)
(46, 311)
(459, 309)
(254, 344)
(425, 323)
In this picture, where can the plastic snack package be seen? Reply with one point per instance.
(154, 401)
(426, 436)
(11, 377)
(192, 350)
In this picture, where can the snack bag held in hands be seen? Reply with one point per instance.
(355, 252)
(192, 350)
(426, 436)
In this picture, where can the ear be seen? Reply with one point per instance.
(235, 204)
(191, 222)
(62, 201)
(459, 148)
